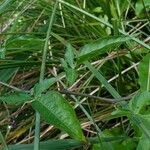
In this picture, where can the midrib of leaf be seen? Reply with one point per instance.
(148, 82)
(55, 116)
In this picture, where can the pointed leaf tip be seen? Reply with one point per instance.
(57, 111)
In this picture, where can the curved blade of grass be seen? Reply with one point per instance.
(64, 144)
(37, 121)
(99, 76)
(103, 22)
(2, 141)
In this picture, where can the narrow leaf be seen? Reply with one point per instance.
(71, 75)
(100, 46)
(64, 64)
(57, 111)
(69, 55)
(15, 98)
(100, 77)
(27, 43)
(65, 144)
(144, 73)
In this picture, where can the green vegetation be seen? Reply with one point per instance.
(74, 74)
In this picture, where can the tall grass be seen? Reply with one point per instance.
(89, 52)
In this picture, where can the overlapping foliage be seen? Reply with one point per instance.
(75, 64)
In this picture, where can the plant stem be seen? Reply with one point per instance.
(37, 121)
(108, 100)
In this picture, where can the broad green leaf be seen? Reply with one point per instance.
(100, 46)
(69, 55)
(15, 98)
(140, 103)
(57, 111)
(71, 75)
(44, 85)
(144, 73)
(144, 143)
(139, 7)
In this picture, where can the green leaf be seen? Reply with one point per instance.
(140, 103)
(6, 74)
(128, 144)
(69, 55)
(71, 75)
(64, 64)
(39, 88)
(15, 98)
(139, 7)
(47, 145)
(100, 46)
(25, 43)
(102, 79)
(144, 143)
(57, 111)
(142, 122)
(118, 113)
(64, 144)
(5, 5)
(144, 73)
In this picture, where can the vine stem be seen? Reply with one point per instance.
(42, 71)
